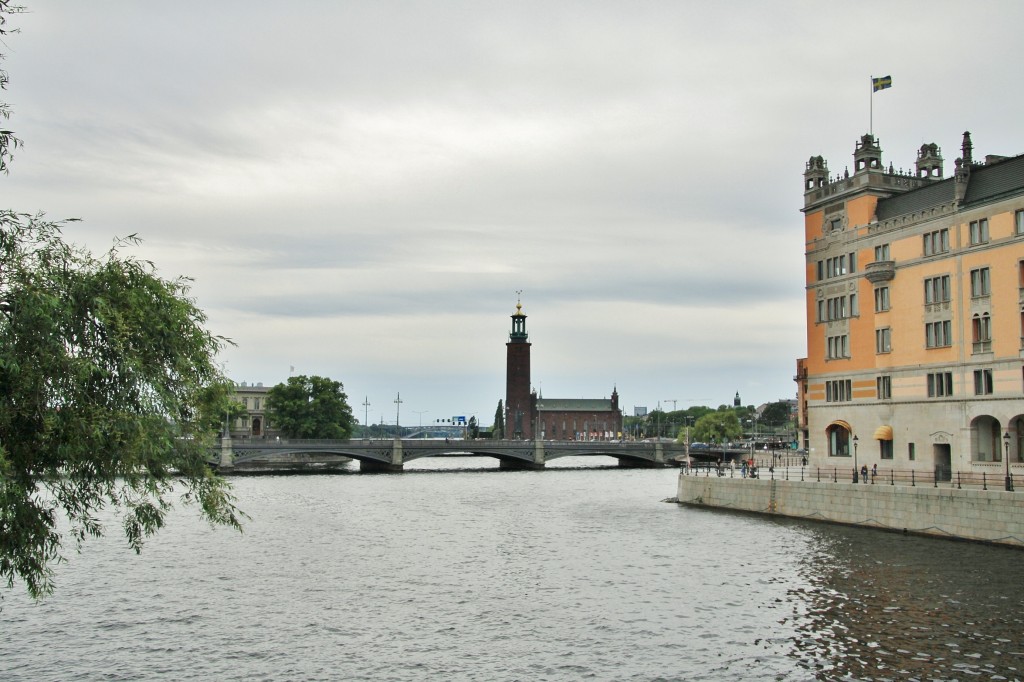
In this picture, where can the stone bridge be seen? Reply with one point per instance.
(391, 455)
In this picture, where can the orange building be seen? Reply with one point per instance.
(915, 314)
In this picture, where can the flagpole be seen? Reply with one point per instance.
(871, 107)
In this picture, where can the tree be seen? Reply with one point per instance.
(776, 414)
(217, 406)
(103, 369)
(499, 422)
(473, 428)
(103, 366)
(310, 407)
(717, 427)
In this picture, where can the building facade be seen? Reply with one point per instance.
(915, 314)
(529, 416)
(255, 422)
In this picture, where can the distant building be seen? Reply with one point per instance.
(254, 423)
(528, 415)
(915, 313)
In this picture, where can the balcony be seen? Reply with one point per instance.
(880, 271)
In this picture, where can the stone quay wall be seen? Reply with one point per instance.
(991, 516)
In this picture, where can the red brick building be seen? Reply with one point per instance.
(529, 416)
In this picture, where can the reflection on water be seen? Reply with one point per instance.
(881, 606)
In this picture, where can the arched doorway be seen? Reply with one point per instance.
(986, 443)
(257, 426)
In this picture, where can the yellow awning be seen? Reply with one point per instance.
(840, 422)
(883, 432)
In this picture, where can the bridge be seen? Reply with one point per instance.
(391, 455)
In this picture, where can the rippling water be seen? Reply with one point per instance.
(479, 574)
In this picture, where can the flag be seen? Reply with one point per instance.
(881, 83)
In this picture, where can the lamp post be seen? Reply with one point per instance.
(366, 417)
(1006, 456)
(856, 471)
(398, 408)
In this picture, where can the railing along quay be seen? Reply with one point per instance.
(910, 477)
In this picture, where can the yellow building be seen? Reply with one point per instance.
(915, 314)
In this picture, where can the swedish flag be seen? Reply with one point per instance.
(881, 83)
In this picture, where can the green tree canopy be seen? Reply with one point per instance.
(776, 414)
(103, 369)
(310, 407)
(217, 406)
(717, 427)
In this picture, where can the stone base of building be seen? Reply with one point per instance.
(990, 516)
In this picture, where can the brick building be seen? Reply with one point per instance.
(528, 415)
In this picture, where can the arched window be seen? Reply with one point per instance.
(838, 436)
(986, 440)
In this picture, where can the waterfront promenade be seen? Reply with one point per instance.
(962, 506)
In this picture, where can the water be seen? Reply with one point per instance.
(479, 574)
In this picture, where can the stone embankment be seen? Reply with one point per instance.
(991, 516)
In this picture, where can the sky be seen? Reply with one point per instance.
(361, 190)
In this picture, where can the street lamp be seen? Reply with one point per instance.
(1006, 456)
(856, 471)
(398, 408)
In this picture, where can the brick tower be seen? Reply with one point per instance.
(518, 399)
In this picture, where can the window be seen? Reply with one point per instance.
(980, 284)
(911, 452)
(981, 333)
(838, 441)
(822, 315)
(838, 391)
(936, 242)
(838, 347)
(979, 231)
(881, 299)
(982, 382)
(837, 266)
(936, 290)
(1018, 222)
(883, 387)
(883, 340)
(885, 449)
(256, 403)
(882, 252)
(938, 334)
(940, 384)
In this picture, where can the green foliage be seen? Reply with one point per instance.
(717, 427)
(311, 407)
(499, 422)
(217, 406)
(473, 428)
(776, 414)
(103, 367)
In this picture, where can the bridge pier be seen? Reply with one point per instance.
(393, 467)
(227, 454)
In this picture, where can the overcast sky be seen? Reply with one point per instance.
(360, 188)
